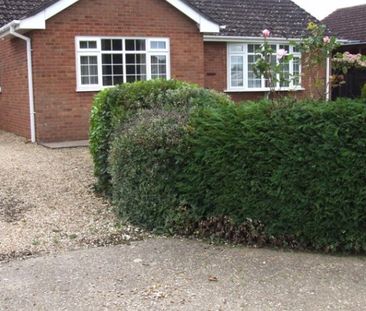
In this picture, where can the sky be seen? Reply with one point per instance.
(322, 8)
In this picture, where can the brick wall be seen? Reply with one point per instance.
(215, 60)
(14, 109)
(63, 113)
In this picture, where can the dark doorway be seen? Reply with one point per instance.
(355, 80)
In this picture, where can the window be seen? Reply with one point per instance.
(241, 75)
(105, 62)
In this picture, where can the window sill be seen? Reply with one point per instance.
(282, 89)
(92, 89)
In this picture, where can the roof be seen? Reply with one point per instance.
(242, 18)
(17, 9)
(248, 18)
(348, 23)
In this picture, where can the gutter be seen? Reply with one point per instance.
(218, 38)
(11, 29)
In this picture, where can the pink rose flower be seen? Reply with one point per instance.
(266, 33)
(281, 53)
(326, 40)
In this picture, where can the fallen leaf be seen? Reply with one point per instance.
(213, 279)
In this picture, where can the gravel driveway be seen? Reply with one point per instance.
(47, 203)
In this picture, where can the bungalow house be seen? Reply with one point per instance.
(55, 55)
(349, 25)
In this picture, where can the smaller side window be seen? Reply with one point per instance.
(89, 70)
(158, 66)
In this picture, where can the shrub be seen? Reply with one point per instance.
(144, 168)
(298, 168)
(113, 106)
(144, 163)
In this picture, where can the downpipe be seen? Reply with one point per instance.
(30, 82)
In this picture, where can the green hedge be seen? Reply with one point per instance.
(274, 173)
(298, 168)
(113, 107)
(179, 158)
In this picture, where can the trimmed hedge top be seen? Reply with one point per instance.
(112, 107)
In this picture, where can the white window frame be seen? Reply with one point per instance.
(245, 54)
(98, 52)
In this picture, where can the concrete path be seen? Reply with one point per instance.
(172, 274)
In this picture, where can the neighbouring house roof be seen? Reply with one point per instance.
(238, 18)
(348, 23)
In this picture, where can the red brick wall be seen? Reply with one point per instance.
(216, 74)
(62, 113)
(14, 109)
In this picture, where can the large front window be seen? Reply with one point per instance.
(105, 62)
(243, 56)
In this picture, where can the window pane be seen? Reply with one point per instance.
(158, 67)
(106, 45)
(107, 70)
(236, 71)
(135, 45)
(117, 45)
(253, 80)
(84, 60)
(85, 80)
(285, 75)
(107, 80)
(84, 70)
(130, 58)
(296, 71)
(92, 44)
(158, 45)
(295, 49)
(106, 59)
(88, 44)
(130, 69)
(236, 48)
(117, 70)
(117, 59)
(118, 80)
(89, 70)
(112, 69)
(93, 60)
(94, 80)
(135, 67)
(253, 48)
(93, 70)
(83, 44)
